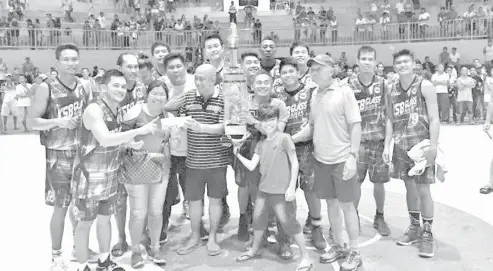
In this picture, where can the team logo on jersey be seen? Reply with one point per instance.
(302, 95)
(414, 91)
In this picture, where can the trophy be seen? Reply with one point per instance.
(235, 94)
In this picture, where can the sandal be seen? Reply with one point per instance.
(284, 251)
(119, 249)
(245, 256)
(304, 267)
(189, 249)
(486, 190)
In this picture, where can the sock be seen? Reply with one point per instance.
(56, 253)
(415, 218)
(103, 257)
(378, 214)
(427, 223)
(82, 266)
(316, 222)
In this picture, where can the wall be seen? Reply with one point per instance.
(468, 49)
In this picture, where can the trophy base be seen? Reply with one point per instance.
(235, 131)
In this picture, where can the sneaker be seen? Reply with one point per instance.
(353, 261)
(318, 238)
(426, 246)
(93, 256)
(307, 229)
(58, 263)
(243, 233)
(381, 226)
(85, 269)
(335, 253)
(157, 256)
(163, 239)
(411, 236)
(136, 261)
(108, 265)
(186, 211)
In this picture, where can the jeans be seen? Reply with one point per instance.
(146, 201)
(443, 107)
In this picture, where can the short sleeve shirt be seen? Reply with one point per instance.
(274, 163)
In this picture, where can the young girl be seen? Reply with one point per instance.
(276, 157)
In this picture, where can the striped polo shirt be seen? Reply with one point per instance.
(205, 150)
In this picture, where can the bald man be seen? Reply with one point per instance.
(207, 158)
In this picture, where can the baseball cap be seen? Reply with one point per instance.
(323, 60)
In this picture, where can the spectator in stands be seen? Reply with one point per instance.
(248, 8)
(3, 71)
(468, 16)
(428, 65)
(455, 58)
(399, 6)
(441, 81)
(423, 18)
(477, 93)
(464, 95)
(9, 106)
(488, 53)
(232, 12)
(444, 56)
(28, 67)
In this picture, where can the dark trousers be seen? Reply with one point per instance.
(453, 104)
(443, 107)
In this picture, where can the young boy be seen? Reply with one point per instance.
(279, 168)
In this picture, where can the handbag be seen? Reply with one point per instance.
(141, 167)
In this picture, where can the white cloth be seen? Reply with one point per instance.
(417, 154)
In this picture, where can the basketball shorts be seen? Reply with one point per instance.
(370, 160)
(59, 165)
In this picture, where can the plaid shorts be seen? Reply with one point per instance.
(306, 178)
(370, 160)
(88, 209)
(401, 164)
(59, 165)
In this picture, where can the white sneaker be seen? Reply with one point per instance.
(58, 264)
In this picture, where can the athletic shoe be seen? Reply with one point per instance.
(352, 262)
(243, 233)
(93, 256)
(381, 226)
(335, 253)
(108, 265)
(411, 236)
(58, 263)
(307, 229)
(186, 211)
(85, 269)
(136, 261)
(157, 256)
(426, 246)
(318, 238)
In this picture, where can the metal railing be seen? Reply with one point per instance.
(15, 38)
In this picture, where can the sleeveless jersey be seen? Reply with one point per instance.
(133, 97)
(64, 102)
(298, 106)
(96, 167)
(371, 102)
(409, 114)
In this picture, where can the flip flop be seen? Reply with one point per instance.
(188, 250)
(119, 249)
(304, 267)
(245, 257)
(485, 190)
(215, 252)
(284, 251)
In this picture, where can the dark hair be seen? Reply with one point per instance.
(263, 72)
(213, 36)
(144, 61)
(298, 44)
(167, 59)
(157, 44)
(110, 73)
(403, 52)
(268, 38)
(288, 61)
(155, 84)
(84, 69)
(119, 61)
(247, 54)
(65, 46)
(267, 111)
(367, 49)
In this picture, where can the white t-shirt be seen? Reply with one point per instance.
(400, 7)
(23, 92)
(454, 58)
(424, 17)
(443, 78)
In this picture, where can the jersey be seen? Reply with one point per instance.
(96, 167)
(64, 102)
(298, 107)
(371, 102)
(409, 114)
(134, 96)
